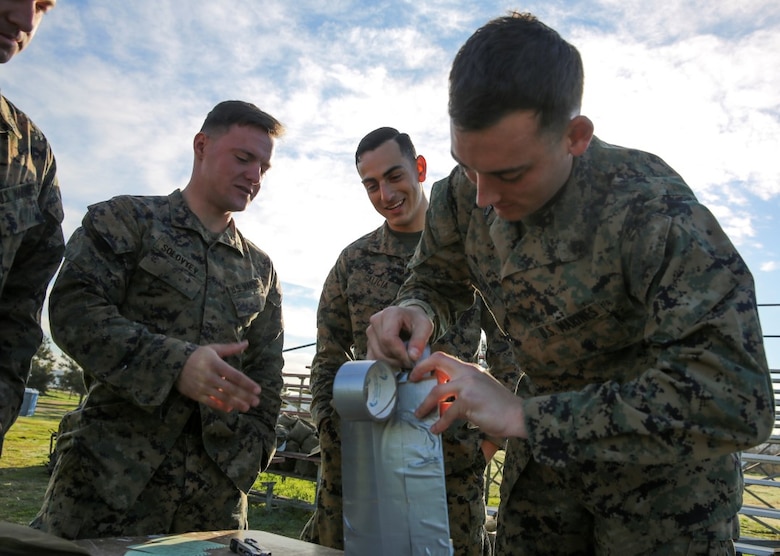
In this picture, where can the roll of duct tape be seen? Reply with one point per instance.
(365, 391)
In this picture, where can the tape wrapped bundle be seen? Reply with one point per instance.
(394, 495)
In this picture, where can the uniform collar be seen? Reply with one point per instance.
(383, 241)
(183, 217)
(558, 232)
(8, 119)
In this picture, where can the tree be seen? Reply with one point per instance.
(73, 379)
(42, 369)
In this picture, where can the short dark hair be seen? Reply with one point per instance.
(237, 112)
(515, 63)
(381, 135)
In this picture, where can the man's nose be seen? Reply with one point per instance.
(385, 190)
(22, 15)
(255, 174)
(487, 193)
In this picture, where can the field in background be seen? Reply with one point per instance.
(24, 476)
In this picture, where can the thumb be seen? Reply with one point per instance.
(225, 350)
(417, 343)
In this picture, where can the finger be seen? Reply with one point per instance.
(241, 399)
(430, 403)
(233, 389)
(434, 400)
(216, 403)
(223, 400)
(242, 382)
(419, 326)
(442, 365)
(397, 352)
(445, 420)
(226, 372)
(423, 369)
(386, 347)
(419, 340)
(440, 393)
(226, 350)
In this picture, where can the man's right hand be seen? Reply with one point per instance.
(208, 379)
(385, 342)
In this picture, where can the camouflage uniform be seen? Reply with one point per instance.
(636, 320)
(31, 246)
(365, 279)
(144, 284)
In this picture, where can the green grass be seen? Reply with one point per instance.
(24, 476)
(23, 472)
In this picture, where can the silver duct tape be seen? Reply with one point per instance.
(364, 391)
(394, 495)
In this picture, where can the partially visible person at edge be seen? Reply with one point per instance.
(31, 242)
(630, 310)
(365, 278)
(176, 319)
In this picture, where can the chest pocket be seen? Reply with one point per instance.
(367, 294)
(168, 268)
(249, 299)
(19, 210)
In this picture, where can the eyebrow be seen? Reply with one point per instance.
(497, 173)
(384, 175)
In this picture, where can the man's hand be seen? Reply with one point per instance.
(208, 379)
(479, 398)
(384, 335)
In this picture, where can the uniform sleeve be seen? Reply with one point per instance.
(439, 273)
(462, 340)
(704, 388)
(334, 339)
(85, 310)
(35, 262)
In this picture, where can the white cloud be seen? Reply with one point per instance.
(120, 88)
(704, 104)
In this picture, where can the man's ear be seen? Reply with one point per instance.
(199, 144)
(422, 169)
(579, 132)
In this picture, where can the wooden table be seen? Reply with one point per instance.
(201, 544)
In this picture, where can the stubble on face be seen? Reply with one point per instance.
(228, 173)
(391, 182)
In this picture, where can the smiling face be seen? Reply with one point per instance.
(230, 166)
(393, 184)
(517, 168)
(19, 20)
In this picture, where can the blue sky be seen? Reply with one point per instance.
(120, 88)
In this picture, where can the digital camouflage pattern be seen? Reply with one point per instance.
(635, 319)
(31, 246)
(143, 285)
(364, 280)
